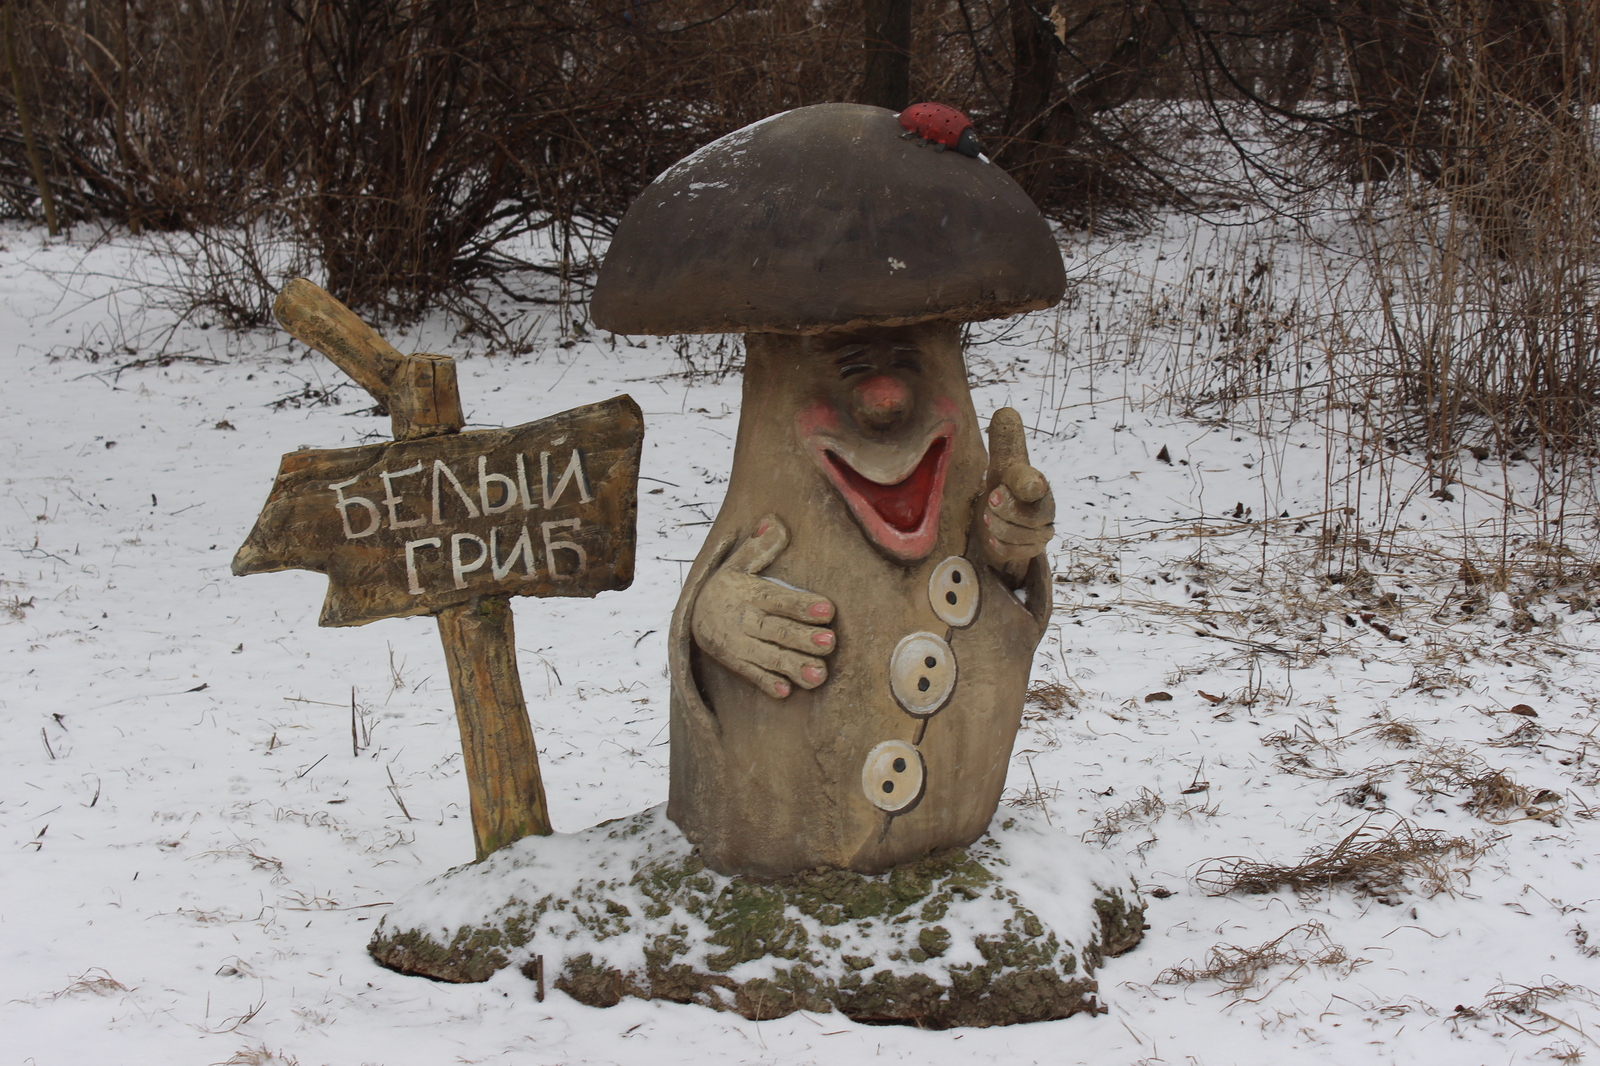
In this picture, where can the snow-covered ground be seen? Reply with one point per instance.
(197, 849)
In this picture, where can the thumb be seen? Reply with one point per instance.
(758, 551)
(1007, 445)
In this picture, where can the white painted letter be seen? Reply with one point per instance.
(438, 468)
(413, 586)
(485, 479)
(344, 503)
(392, 502)
(456, 567)
(523, 547)
(551, 547)
(574, 472)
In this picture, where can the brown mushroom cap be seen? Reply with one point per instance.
(825, 218)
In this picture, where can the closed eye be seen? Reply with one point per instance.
(906, 358)
(851, 360)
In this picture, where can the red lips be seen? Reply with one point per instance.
(903, 506)
(893, 486)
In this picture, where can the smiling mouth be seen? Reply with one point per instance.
(901, 518)
(905, 504)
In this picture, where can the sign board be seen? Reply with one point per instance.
(402, 528)
(454, 524)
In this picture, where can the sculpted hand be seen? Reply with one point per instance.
(1017, 516)
(765, 632)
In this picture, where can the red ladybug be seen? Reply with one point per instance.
(942, 125)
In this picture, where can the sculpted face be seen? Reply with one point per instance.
(882, 424)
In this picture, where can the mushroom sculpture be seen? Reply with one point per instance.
(851, 650)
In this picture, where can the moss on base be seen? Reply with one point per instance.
(939, 942)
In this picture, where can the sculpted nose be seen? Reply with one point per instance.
(882, 402)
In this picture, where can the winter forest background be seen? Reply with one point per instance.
(1320, 409)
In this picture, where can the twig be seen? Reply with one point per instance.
(1043, 806)
(394, 790)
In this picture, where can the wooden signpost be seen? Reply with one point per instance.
(454, 524)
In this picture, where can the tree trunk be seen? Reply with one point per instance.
(886, 40)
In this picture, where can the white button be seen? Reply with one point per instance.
(892, 776)
(953, 591)
(922, 673)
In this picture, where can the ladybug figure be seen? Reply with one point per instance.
(943, 127)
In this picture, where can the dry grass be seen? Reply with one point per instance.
(1144, 809)
(258, 1056)
(1530, 1009)
(1239, 969)
(1373, 860)
(1032, 795)
(93, 982)
(1052, 696)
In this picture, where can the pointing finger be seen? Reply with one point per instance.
(1007, 445)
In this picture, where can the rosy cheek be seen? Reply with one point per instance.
(820, 417)
(945, 407)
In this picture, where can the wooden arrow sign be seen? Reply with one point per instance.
(453, 524)
(410, 527)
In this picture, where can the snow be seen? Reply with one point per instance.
(197, 855)
(552, 880)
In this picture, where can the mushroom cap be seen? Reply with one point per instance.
(825, 218)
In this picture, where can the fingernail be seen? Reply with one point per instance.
(762, 528)
(994, 497)
(993, 543)
(986, 521)
(813, 674)
(781, 688)
(822, 640)
(821, 610)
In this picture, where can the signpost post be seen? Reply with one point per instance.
(453, 524)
